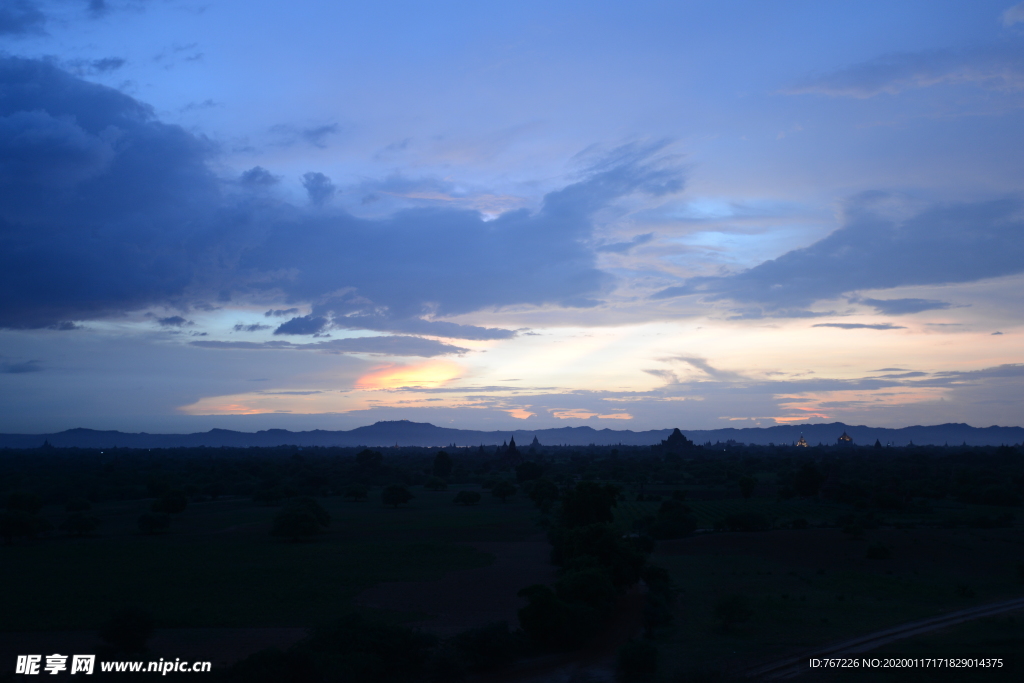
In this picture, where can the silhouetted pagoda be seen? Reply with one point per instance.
(802, 442)
(675, 444)
(844, 440)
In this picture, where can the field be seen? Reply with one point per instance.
(219, 566)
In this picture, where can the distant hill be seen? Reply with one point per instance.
(405, 433)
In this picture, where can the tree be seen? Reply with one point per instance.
(356, 492)
(369, 460)
(503, 490)
(545, 617)
(808, 480)
(80, 524)
(24, 502)
(435, 484)
(638, 662)
(20, 523)
(300, 518)
(747, 485)
(154, 522)
(544, 492)
(395, 495)
(674, 520)
(294, 523)
(78, 505)
(528, 471)
(589, 503)
(467, 498)
(172, 502)
(442, 464)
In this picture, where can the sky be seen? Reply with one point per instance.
(510, 215)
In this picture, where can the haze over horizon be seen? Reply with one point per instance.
(510, 215)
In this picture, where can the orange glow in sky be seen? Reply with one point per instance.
(392, 376)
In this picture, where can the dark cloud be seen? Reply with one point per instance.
(19, 17)
(107, 64)
(902, 306)
(108, 210)
(318, 135)
(624, 247)
(942, 244)
(999, 68)
(104, 207)
(442, 261)
(434, 328)
(280, 312)
(388, 346)
(255, 327)
(996, 333)
(174, 321)
(319, 188)
(307, 324)
(861, 326)
(20, 368)
(257, 176)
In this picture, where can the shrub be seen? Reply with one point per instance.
(171, 502)
(78, 505)
(878, 551)
(638, 662)
(395, 495)
(488, 647)
(503, 490)
(154, 522)
(467, 498)
(356, 492)
(79, 524)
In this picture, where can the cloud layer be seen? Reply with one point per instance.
(945, 243)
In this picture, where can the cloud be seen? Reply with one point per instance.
(18, 17)
(944, 243)
(307, 324)
(902, 306)
(20, 368)
(104, 207)
(1014, 15)
(624, 247)
(108, 210)
(174, 321)
(861, 326)
(280, 312)
(446, 261)
(255, 327)
(317, 136)
(387, 346)
(319, 188)
(995, 68)
(705, 367)
(258, 177)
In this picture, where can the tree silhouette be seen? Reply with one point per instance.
(503, 490)
(442, 464)
(467, 498)
(395, 495)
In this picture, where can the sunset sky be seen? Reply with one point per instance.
(497, 215)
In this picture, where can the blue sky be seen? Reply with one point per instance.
(498, 215)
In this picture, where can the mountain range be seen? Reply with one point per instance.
(406, 433)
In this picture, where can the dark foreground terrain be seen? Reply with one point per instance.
(675, 563)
